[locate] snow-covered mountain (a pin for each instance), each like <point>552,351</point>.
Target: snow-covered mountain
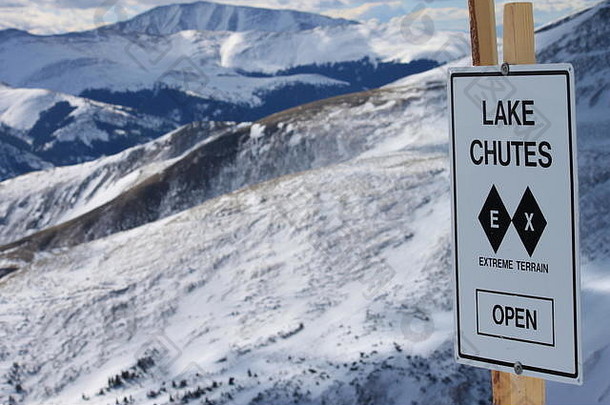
<point>184,63</point>
<point>207,16</point>
<point>233,157</point>
<point>190,69</point>
<point>301,259</point>
<point>45,199</point>
<point>50,128</point>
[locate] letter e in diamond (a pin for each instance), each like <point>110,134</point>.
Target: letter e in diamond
<point>494,219</point>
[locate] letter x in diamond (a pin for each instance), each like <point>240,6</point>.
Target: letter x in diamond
<point>529,221</point>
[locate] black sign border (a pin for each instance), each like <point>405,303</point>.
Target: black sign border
<point>566,74</point>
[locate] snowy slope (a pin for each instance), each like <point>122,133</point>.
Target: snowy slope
<point>207,16</point>
<point>44,199</point>
<point>252,281</point>
<point>231,296</point>
<point>300,139</point>
<point>583,40</point>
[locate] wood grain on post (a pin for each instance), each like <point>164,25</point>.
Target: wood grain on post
<point>512,389</point>
<point>519,48</point>
<point>519,45</point>
<point>483,32</point>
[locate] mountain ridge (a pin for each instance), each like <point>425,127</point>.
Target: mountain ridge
<point>209,16</point>
<point>169,79</point>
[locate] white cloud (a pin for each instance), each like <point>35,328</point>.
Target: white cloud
<point>377,10</point>
<point>39,20</point>
<point>447,13</point>
<point>54,16</point>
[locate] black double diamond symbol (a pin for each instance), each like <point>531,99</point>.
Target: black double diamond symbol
<point>528,220</point>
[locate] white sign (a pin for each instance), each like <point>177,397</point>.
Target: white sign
<point>515,220</point>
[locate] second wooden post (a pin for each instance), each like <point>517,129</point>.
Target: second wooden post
<point>519,48</point>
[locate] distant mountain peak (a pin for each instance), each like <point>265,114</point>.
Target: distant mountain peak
<point>208,16</point>
<point>12,32</point>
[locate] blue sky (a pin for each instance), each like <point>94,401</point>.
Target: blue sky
<point>55,16</point>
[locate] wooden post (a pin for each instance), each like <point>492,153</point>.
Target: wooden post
<point>512,389</point>
<point>483,32</point>
<point>508,388</point>
<point>519,34</point>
